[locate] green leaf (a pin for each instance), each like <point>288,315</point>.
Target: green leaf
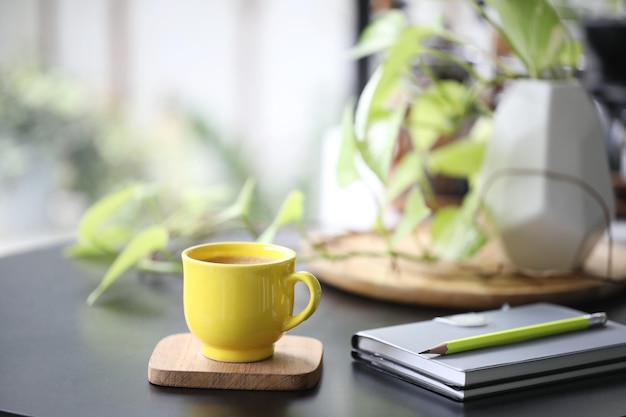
<point>451,97</point>
<point>455,233</point>
<point>114,237</point>
<point>407,173</point>
<point>375,97</point>
<point>378,226</point>
<point>201,198</point>
<point>291,211</point>
<point>415,211</point>
<point>347,172</point>
<point>571,53</point>
<point>195,210</point>
<point>482,130</point>
<point>78,250</point>
<point>365,106</point>
<point>534,31</point>
<point>462,158</point>
<point>398,64</point>
<point>150,240</point>
<point>377,151</point>
<point>380,34</point>
<point>438,111</point>
<point>89,229</point>
<point>241,206</point>
<point>427,121</point>
<point>424,137</point>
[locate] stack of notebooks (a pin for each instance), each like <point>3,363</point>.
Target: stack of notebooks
<point>396,350</point>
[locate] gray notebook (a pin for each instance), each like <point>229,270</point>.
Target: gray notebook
<point>394,346</point>
<point>479,391</point>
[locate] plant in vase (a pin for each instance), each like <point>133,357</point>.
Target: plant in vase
<point>545,180</point>
<point>533,201</point>
<point>401,130</point>
<point>410,126</point>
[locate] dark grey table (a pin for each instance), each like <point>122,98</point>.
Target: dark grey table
<point>59,357</point>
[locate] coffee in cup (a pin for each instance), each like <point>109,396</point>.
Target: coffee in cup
<point>238,298</point>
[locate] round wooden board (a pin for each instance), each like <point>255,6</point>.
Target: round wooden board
<point>485,282</point>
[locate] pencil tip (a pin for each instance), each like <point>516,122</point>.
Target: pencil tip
<point>440,349</point>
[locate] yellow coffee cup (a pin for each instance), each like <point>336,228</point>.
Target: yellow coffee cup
<point>238,297</point>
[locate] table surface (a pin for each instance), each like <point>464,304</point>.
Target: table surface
<point>59,357</point>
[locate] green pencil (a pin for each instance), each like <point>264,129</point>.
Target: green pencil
<point>518,334</point>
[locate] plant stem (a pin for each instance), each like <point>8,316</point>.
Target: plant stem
<point>160,267</point>
<point>502,34</point>
<point>249,227</point>
<point>372,254</point>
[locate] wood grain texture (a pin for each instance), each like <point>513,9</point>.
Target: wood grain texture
<point>177,361</point>
<point>485,282</point>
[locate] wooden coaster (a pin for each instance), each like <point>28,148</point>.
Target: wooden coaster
<point>177,361</point>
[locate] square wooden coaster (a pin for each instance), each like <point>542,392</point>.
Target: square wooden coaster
<point>177,361</point>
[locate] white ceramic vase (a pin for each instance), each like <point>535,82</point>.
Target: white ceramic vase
<point>545,180</point>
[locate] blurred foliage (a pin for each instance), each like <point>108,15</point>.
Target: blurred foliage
<point>412,123</point>
<point>45,116</point>
<point>143,226</point>
<point>406,98</point>
<point>150,192</point>
<point>537,37</point>
<point>95,148</point>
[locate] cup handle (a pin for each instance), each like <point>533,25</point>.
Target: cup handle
<point>315,295</point>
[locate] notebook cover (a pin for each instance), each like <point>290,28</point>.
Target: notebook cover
<point>460,394</point>
<point>402,343</point>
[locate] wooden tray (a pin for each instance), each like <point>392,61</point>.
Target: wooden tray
<point>177,361</point>
<point>485,282</point>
